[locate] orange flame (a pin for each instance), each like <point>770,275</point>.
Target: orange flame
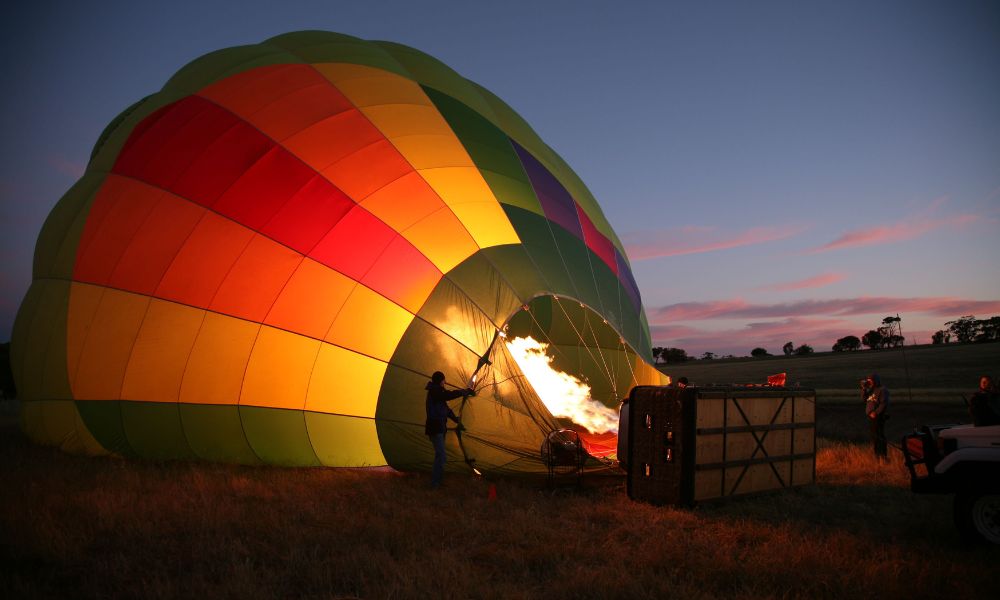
<point>564,395</point>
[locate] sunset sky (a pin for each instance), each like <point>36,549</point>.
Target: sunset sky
<point>778,171</point>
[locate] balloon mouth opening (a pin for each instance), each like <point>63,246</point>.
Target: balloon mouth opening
<point>568,354</point>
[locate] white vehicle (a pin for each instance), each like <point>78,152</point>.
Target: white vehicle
<point>963,460</point>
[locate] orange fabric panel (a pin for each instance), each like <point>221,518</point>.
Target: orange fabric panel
<point>442,238</point>
<point>256,279</point>
<point>369,86</point>
<point>122,205</point>
<point>298,110</point>
<point>367,170</point>
<point>161,351</point>
<point>310,300</point>
<point>433,151</point>
<point>403,202</point>
<point>108,345</point>
<point>155,243</point>
<point>338,371</point>
<point>204,260</point>
<point>369,324</point>
<point>253,90</point>
<point>214,372</point>
<point>403,275</point>
<point>279,369</point>
<point>324,143</point>
<point>395,120</point>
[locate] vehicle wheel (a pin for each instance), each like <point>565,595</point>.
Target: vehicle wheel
<point>977,516</point>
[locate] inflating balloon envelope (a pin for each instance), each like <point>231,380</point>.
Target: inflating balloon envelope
<point>265,261</point>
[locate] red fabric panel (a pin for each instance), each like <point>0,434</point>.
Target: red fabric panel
<point>600,245</point>
<point>354,244</point>
<point>167,149</point>
<point>204,260</point>
<point>124,205</point>
<point>222,163</point>
<point>309,215</point>
<point>255,280</point>
<point>156,243</point>
<point>403,275</point>
<point>266,187</point>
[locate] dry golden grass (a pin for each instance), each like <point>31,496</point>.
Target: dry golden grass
<point>80,527</point>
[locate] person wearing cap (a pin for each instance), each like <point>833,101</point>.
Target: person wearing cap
<point>876,399</point>
<point>438,413</point>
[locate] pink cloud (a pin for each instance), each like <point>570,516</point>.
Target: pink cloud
<point>693,239</point>
<point>914,226</point>
<point>864,305</point>
<point>804,284</point>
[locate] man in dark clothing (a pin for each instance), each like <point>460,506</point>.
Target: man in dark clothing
<point>876,399</point>
<point>438,413</point>
<point>984,406</point>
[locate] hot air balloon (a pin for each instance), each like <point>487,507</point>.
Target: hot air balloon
<point>265,261</point>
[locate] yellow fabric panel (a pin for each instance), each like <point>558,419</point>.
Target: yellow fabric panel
<point>369,324</point>
<point>344,441</point>
<point>40,357</point>
<point>279,369</point>
<point>443,239</point>
<point>108,344</point>
<point>398,120</point>
<point>161,352</point>
<point>214,373</point>
<point>310,300</point>
<point>487,223</point>
<point>403,202</point>
<point>430,151</point>
<point>83,302</point>
<point>472,201</point>
<point>345,382</point>
<point>367,86</point>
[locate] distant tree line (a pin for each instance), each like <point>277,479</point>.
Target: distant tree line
<point>888,335</point>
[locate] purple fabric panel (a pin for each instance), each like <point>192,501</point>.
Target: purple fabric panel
<point>628,281</point>
<point>557,203</point>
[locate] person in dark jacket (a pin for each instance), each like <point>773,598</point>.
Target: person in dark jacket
<point>876,399</point>
<point>984,406</point>
<point>438,413</point>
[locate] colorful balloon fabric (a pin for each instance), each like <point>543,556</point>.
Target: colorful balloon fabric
<point>265,261</point>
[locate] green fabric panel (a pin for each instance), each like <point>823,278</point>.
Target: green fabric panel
<point>429,71</point>
<point>46,329</point>
<point>645,348</point>
<point>103,419</point>
<point>62,228</point>
<point>517,269</point>
<point>485,286</point>
<point>215,432</point>
<point>425,349</point>
<point>536,239</point>
<point>512,191</point>
<point>490,149</point>
<point>340,440</point>
<point>454,313</point>
<point>220,64</point>
<point>278,436</point>
<point>154,430</point>
<point>400,416</point>
<point>326,46</point>
<point>21,336</point>
<point>576,256</point>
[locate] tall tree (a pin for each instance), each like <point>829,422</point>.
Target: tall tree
<point>963,328</point>
<point>759,352</point>
<point>788,348</point>
<point>849,343</point>
<point>872,339</point>
<point>657,352</point>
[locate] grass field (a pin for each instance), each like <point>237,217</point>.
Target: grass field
<point>103,527</point>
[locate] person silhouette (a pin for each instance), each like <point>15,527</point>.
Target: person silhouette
<point>436,425</point>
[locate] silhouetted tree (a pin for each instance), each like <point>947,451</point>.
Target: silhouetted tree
<point>759,352</point>
<point>963,328</point>
<point>988,330</point>
<point>940,337</point>
<point>674,355</point>
<point>847,343</point>
<point>657,351</point>
<point>788,348</point>
<point>872,339</point>
<point>708,356</point>
<point>803,350</point>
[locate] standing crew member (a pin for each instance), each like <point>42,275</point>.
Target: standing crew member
<point>438,413</point>
<point>876,399</point>
<point>984,406</point>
